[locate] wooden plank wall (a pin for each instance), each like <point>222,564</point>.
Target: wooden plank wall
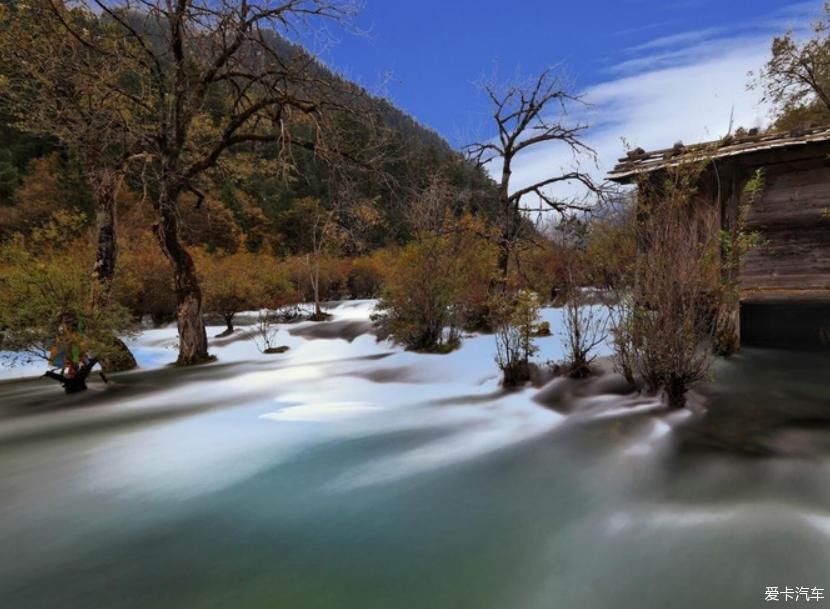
<point>793,219</point>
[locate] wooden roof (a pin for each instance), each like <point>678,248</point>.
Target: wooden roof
<point>638,161</point>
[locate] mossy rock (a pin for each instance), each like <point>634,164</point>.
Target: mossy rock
<point>543,329</point>
<point>119,359</point>
<point>274,350</point>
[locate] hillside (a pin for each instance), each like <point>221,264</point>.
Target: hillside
<point>251,202</point>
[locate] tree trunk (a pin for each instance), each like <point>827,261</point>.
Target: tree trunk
<point>314,277</point>
<point>318,312</point>
<point>192,336</point>
<point>104,187</point>
<point>504,258</point>
<point>105,184</point>
<point>506,242</point>
<point>675,393</point>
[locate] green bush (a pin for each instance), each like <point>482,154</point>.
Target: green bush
<point>47,292</point>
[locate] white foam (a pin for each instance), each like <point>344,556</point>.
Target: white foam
<point>328,388</point>
<point>506,422</point>
<point>325,411</point>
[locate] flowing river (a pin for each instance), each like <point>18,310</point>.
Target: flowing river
<point>347,474</point>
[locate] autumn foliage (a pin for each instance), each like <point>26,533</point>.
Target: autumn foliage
<point>437,285</point>
<point>43,281</point>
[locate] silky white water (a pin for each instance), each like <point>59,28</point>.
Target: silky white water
<point>348,473</point>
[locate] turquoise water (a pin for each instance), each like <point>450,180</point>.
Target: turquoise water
<point>155,495</point>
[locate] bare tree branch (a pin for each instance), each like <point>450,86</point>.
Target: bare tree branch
<point>531,115</point>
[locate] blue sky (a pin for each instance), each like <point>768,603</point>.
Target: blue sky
<point>655,71</point>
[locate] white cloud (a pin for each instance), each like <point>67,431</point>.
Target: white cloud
<point>686,89</point>
<point>679,55</point>
<point>676,39</point>
<point>690,102</point>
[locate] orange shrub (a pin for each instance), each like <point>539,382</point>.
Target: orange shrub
<point>240,282</point>
<point>143,278</point>
<point>437,284</point>
<point>365,276</point>
<point>541,268</point>
<point>334,277</point>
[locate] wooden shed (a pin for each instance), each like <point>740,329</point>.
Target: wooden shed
<point>785,280</point>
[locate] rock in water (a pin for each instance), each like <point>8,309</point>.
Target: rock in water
<point>280,349</point>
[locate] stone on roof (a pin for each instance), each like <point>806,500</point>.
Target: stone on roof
<point>638,161</point>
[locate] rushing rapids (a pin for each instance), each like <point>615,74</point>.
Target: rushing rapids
<point>348,473</point>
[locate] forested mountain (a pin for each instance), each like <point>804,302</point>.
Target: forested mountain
<point>248,200</point>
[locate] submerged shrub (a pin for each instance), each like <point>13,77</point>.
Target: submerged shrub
<point>416,306</point>
<point>436,285</point>
<point>663,330</point>
<point>515,323</point>
<point>585,329</point>
<point>241,281</point>
<point>265,330</point>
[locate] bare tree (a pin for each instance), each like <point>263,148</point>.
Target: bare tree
<point>345,216</point>
<point>527,116</point>
<point>324,233</point>
<point>200,77</point>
